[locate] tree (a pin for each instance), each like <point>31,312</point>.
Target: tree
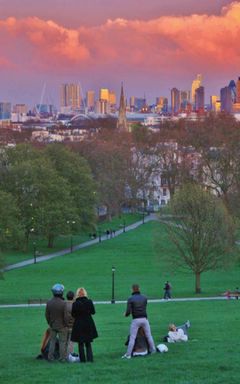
<point>42,196</point>
<point>11,232</point>
<point>76,172</point>
<point>204,233</point>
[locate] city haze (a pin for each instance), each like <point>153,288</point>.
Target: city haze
<point>150,46</point>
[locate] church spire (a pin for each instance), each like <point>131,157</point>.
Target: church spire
<point>122,119</point>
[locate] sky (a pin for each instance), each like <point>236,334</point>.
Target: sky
<point>149,45</point>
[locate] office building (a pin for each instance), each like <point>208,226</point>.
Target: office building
<point>184,99</point>
<point>104,94</point>
<point>175,100</point>
<point>161,104</point>
<point>5,111</point>
<point>199,99</point>
<point>70,97</point>
<point>215,103</point>
<point>238,91</point>
<point>195,84</point>
<point>90,100</point>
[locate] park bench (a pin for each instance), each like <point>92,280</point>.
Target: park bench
<point>230,294</point>
<point>37,301</point>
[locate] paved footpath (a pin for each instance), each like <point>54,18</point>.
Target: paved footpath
<point>163,301</point>
<point>79,246</point>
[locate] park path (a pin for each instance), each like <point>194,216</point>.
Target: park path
<point>163,301</point>
<point>40,259</point>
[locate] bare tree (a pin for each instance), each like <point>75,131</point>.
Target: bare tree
<point>204,231</point>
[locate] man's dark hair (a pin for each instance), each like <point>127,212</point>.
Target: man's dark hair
<point>135,288</point>
<point>70,295</point>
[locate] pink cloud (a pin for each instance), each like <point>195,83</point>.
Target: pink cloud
<point>209,43</point>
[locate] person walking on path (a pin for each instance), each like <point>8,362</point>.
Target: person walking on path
<point>167,291</point>
<point>136,306</point>
<point>55,318</point>
<point>84,329</point>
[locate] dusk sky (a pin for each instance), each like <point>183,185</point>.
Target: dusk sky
<point>150,45</point>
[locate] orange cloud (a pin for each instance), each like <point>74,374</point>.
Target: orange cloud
<point>166,43</point>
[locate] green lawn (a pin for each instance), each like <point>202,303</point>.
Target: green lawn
<point>64,241</point>
<point>210,357</point>
<point>134,256</point>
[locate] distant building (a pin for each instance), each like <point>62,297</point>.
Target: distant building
<point>184,100</point>
<point>122,119</point>
<point>20,108</point>
<point>238,91</point>
<point>195,84</point>
<point>215,103</point>
<point>5,111</point>
<point>70,97</point>
<point>199,99</point>
<point>137,104</point>
<point>228,97</point>
<point>162,104</point>
<point>104,94</point>
<point>175,100</point>
<point>90,100</point>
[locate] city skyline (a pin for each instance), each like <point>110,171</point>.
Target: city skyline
<point>151,48</point>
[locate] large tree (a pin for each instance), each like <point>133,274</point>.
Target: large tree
<point>203,233</point>
<point>52,189</point>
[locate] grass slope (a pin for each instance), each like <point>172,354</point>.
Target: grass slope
<point>134,256</point>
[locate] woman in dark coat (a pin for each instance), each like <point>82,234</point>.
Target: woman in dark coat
<point>84,329</point>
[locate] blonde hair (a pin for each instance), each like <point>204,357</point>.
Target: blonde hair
<point>81,292</point>
<point>172,327</point>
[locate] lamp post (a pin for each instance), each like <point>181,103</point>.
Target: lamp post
<point>113,285</point>
<point>71,238</point>
<point>34,253</point>
<point>99,235</point>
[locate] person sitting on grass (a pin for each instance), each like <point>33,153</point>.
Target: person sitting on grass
<point>177,334</point>
<point>141,347</point>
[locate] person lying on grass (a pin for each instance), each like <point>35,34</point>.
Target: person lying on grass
<point>176,334</point>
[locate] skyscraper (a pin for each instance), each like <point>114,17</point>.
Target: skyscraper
<point>104,94</point>
<point>226,99</point>
<point>238,91</point>
<point>195,84</point>
<point>70,97</point>
<point>215,103</point>
<point>122,119</point>
<point>90,100</point>
<point>199,99</point>
<point>175,100</point>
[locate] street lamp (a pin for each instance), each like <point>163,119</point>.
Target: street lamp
<point>71,238</point>
<point>34,253</point>
<point>99,235</point>
<point>113,285</point>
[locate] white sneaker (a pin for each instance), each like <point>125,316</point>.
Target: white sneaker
<point>126,356</point>
<point>188,324</point>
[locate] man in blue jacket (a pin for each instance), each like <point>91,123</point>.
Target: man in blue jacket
<point>136,306</point>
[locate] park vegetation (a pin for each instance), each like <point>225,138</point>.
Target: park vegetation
<point>57,189</point>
